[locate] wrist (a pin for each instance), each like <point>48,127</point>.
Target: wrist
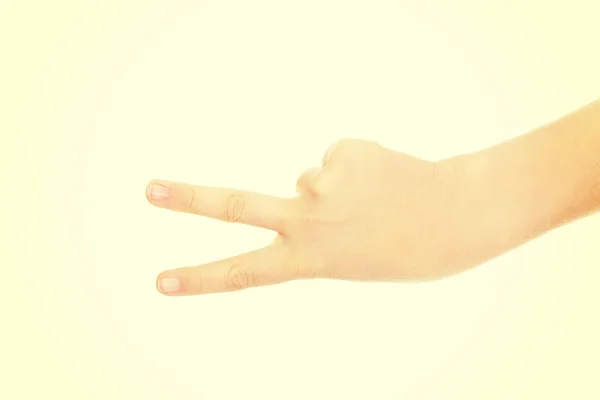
<point>530,185</point>
<point>511,200</point>
<point>527,186</point>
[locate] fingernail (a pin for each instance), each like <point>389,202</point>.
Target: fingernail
<point>158,192</point>
<point>168,285</point>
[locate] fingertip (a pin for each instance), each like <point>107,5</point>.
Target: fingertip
<point>149,189</point>
<point>157,191</point>
<point>168,285</point>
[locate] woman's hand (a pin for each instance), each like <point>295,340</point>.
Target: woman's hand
<point>369,213</point>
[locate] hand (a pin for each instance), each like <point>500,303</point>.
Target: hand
<point>369,213</point>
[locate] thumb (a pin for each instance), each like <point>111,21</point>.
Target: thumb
<point>262,267</point>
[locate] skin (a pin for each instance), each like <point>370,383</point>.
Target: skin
<point>374,214</point>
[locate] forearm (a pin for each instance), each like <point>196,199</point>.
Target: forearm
<point>543,179</point>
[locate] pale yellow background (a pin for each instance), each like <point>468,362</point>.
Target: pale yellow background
<point>99,97</point>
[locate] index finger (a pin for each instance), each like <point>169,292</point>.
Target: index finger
<point>227,205</point>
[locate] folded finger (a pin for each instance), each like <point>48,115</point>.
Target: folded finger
<point>305,182</point>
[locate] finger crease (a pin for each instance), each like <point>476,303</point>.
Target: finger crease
<point>193,199</point>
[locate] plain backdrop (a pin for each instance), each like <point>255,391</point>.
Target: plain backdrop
<point>98,98</point>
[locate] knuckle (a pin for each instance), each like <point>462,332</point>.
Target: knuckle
<point>345,143</point>
<point>348,148</point>
<point>238,278</point>
<point>305,181</point>
<point>235,206</point>
<point>338,147</point>
<point>319,185</point>
<point>299,185</point>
